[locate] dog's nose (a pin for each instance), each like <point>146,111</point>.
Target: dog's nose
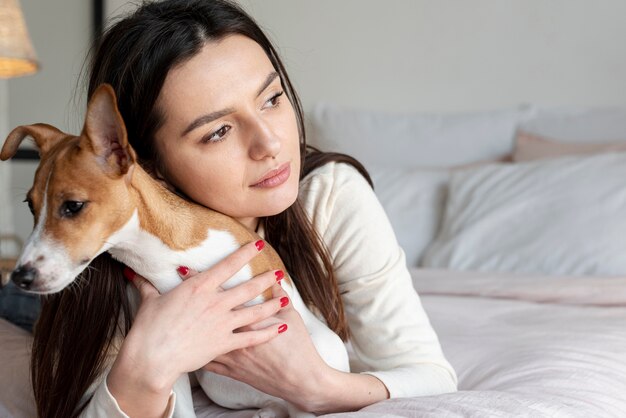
<point>24,276</point>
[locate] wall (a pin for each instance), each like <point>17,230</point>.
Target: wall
<point>396,55</point>
<point>61,33</point>
<point>451,55</point>
<point>6,208</point>
<point>448,55</point>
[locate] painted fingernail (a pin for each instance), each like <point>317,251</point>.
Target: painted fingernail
<point>284,301</point>
<point>279,275</point>
<point>129,273</point>
<point>182,270</point>
<point>259,244</point>
<point>282,328</point>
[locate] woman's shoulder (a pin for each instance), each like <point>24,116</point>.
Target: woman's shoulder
<point>331,174</point>
<point>332,186</point>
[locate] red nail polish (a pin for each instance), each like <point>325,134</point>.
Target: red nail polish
<point>259,244</point>
<point>182,270</point>
<point>279,275</point>
<point>284,301</point>
<point>129,273</point>
<point>282,328</point>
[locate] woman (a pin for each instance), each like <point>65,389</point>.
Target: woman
<point>209,109</point>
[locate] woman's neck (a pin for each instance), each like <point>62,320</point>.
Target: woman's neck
<point>251,223</point>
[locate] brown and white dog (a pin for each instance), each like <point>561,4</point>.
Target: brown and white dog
<point>90,196</point>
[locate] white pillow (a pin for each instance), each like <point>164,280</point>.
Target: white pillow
<point>16,395</point>
<point>564,216</point>
<point>415,139</point>
<point>414,201</point>
<point>585,124</point>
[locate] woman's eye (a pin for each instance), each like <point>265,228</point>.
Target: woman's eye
<point>217,135</point>
<point>274,101</point>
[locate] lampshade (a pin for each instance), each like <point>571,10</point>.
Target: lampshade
<point>17,56</point>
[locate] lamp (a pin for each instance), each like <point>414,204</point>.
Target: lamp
<point>17,56</point>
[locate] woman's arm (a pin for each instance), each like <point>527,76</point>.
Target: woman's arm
<point>138,386</point>
<point>179,332</point>
<point>289,367</point>
<point>395,351</point>
<point>338,391</point>
<point>391,335</point>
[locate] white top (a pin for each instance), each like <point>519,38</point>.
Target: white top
<point>391,336</point>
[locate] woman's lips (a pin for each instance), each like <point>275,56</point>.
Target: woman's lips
<point>275,177</point>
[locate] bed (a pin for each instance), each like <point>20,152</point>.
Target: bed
<point>530,351</point>
<point>513,222</point>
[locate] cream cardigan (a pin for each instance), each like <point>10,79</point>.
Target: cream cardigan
<point>391,336</point>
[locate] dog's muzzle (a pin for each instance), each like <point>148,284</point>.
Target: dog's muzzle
<point>24,276</point>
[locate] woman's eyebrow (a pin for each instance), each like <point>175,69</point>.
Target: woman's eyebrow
<point>271,76</point>
<point>206,119</point>
<point>221,113</point>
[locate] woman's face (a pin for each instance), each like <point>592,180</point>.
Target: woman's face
<point>226,125</point>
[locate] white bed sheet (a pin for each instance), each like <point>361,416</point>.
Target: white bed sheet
<point>523,346</point>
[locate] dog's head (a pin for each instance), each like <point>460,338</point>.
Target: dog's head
<point>80,194</point>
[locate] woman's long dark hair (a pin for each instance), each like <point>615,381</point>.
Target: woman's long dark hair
<point>77,326</point>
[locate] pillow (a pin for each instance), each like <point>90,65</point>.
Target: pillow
<point>564,216</point>
<point>413,199</point>
<point>418,139</point>
<point>595,124</point>
<point>530,147</point>
<point>16,396</point>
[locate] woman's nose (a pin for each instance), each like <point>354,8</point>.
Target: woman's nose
<point>264,142</point>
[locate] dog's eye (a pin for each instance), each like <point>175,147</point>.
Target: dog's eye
<point>71,208</point>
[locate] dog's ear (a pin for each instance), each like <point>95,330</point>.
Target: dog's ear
<point>45,137</point>
<point>105,129</point>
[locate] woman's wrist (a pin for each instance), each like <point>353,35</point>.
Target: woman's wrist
<point>139,388</point>
<point>337,391</point>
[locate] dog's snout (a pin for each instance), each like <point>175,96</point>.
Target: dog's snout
<point>24,276</point>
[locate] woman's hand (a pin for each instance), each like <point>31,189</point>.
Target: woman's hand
<point>289,367</point>
<point>186,328</point>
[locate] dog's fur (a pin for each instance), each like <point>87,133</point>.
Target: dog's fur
<point>124,211</point>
